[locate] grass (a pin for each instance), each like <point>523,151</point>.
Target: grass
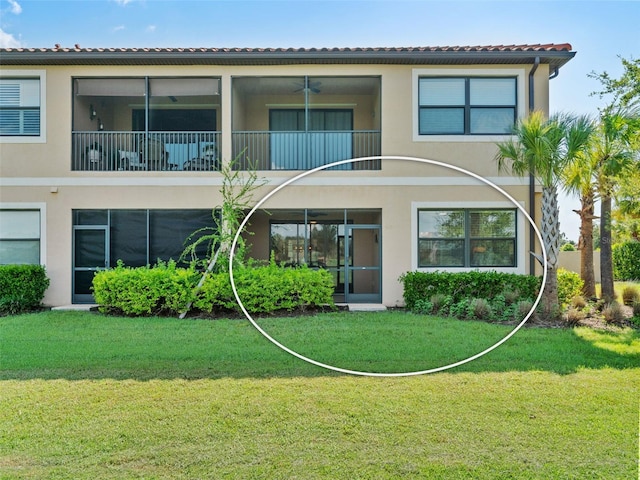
<point>88,396</point>
<point>618,287</point>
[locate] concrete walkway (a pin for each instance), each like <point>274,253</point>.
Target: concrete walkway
<point>366,307</point>
<point>84,307</point>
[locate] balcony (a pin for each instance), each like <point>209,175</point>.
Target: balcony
<point>303,122</point>
<point>145,124</point>
<point>293,150</point>
<point>139,151</point>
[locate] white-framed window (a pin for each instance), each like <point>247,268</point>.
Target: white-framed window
<point>466,105</point>
<point>21,234</point>
<point>22,106</point>
<point>462,236</point>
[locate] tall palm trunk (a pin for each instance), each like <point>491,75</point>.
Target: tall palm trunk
<point>550,232</point>
<point>606,259</point>
<point>587,272</point>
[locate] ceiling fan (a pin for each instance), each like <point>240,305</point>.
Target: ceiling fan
<point>313,87</point>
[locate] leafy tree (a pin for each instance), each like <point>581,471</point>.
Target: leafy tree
<point>626,212</point>
<point>545,147</point>
<point>624,91</point>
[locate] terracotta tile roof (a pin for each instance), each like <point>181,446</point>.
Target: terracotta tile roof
<point>555,55</point>
<point>548,47</point>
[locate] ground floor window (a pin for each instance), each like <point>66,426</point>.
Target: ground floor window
<point>19,237</point>
<point>137,237</point>
<point>467,238</point>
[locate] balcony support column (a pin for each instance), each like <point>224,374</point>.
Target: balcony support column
<point>225,119</point>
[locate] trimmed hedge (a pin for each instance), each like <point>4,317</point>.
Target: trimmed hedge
<point>161,289</point>
<point>166,289</point>
<point>22,287</point>
<point>267,289</point>
<point>466,285</point>
<point>626,261</point>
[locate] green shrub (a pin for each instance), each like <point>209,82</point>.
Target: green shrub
<point>626,261</point>
<point>423,307</point>
<point>161,289</point>
<point>466,285</point>
<point>568,247</point>
<point>165,289</point>
<point>569,286</point>
<point>22,287</point>
<point>267,289</point>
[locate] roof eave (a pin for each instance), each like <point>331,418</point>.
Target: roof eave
<point>188,56</point>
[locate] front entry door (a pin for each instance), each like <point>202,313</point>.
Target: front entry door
<point>363,264</point>
<point>90,254</point>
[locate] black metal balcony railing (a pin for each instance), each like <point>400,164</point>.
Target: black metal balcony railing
<point>155,151</point>
<point>305,150</point>
<point>158,151</point>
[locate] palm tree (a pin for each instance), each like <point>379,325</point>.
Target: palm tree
<point>614,150</point>
<point>544,148</point>
<point>579,178</point>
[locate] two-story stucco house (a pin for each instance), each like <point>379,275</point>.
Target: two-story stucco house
<point>111,154</point>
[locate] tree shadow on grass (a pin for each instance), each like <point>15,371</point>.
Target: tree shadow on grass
<point>52,347</point>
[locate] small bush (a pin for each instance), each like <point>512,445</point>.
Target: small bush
<point>511,296</point>
<point>630,295</point>
<point>626,261</point>
<point>460,309</point>
<point>569,285</point>
<point>636,309</point>
<point>22,287</point>
<point>523,307</point>
<point>424,307</point>
<point>479,309</point>
<point>613,313</point>
<point>578,302</point>
<point>441,303</point>
<point>568,247</point>
<point>573,316</point>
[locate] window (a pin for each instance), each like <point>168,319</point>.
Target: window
<point>467,238</point>
<point>19,237</point>
<point>466,105</point>
<point>20,107</point>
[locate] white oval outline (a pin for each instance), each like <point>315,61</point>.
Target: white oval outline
<point>379,374</point>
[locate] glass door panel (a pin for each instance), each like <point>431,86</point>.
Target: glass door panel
<point>364,273</point>
<point>90,254</point>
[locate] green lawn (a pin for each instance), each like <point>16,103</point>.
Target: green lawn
<point>88,396</point>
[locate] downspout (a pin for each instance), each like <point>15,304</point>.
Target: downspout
<point>532,183</point>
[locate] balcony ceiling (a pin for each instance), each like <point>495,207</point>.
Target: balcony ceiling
<point>320,85</point>
<point>556,55</point>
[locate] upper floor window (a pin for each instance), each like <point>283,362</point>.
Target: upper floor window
<point>20,107</point>
<point>466,105</point>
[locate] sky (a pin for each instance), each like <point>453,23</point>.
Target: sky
<point>599,31</point>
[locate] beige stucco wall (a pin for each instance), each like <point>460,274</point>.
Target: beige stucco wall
<point>41,173</point>
<point>571,261</point>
